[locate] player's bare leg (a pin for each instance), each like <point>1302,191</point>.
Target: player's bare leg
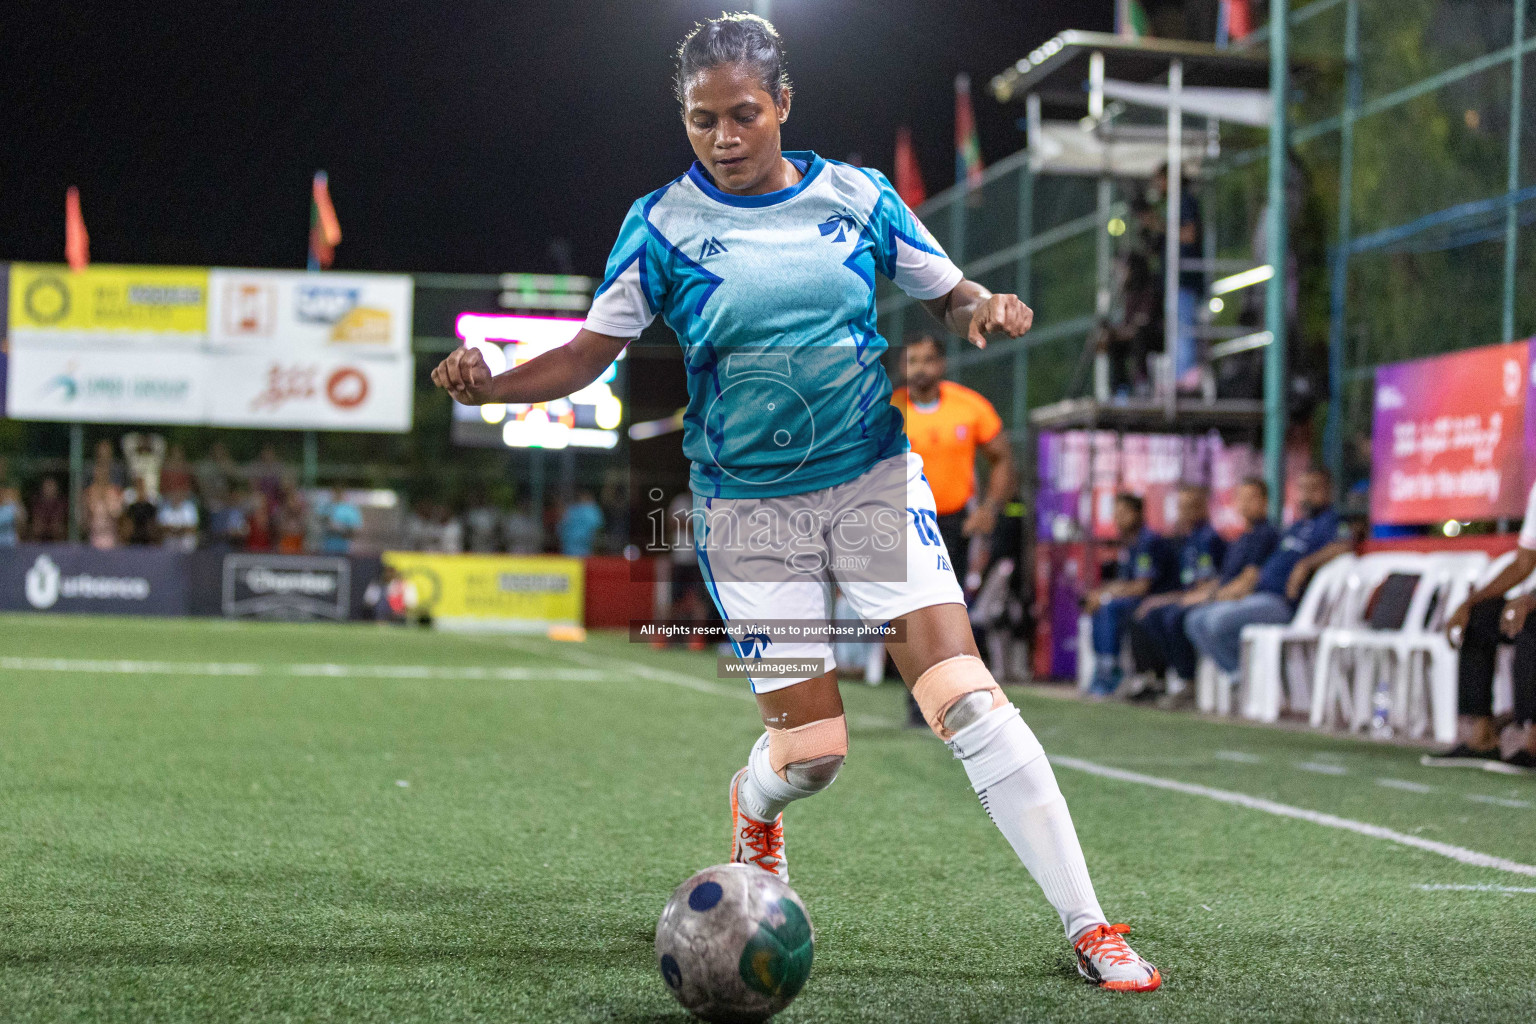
<point>1010,773</point>
<point>798,755</point>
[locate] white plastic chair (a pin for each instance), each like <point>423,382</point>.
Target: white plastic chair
<point>1424,688</point>
<point>1345,638</point>
<point>1264,679</point>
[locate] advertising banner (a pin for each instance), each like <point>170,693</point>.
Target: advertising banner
<point>352,315</point>
<point>508,593</point>
<point>105,304</point>
<point>75,579</point>
<point>99,385</point>
<point>286,587</point>
<point>309,391</point>
<point>1447,437</point>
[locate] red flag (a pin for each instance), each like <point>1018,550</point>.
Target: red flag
<point>968,165</point>
<point>1239,19</point>
<point>909,177</point>
<point>77,242</point>
<point>324,228</point>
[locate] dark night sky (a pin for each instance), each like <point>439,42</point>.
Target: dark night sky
<point>459,136</point>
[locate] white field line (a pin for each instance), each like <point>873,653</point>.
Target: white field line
<point>1477,888</point>
<point>1238,756</point>
<point>1405,785</point>
<point>1319,768</point>
<point>1456,853</point>
<point>300,671</point>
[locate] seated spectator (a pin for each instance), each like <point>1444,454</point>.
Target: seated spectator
<point>340,520</point>
<point>13,518</point>
<point>292,520</point>
<point>258,535</point>
<point>1216,629</point>
<point>482,521</point>
<point>102,506</point>
<point>229,524</point>
<point>579,526</point>
<point>178,518</point>
<point>1481,624</point>
<point>521,530</point>
<point>141,515</point>
<point>1144,567</point>
<point>1159,637</point>
<point>1198,552</point>
<point>176,474</point>
<point>49,515</point>
<point>106,459</point>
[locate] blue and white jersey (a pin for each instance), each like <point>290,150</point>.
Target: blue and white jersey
<point>773,300</point>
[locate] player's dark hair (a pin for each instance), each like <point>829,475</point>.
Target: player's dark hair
<point>1132,502</point>
<point>927,339</point>
<point>1256,481</point>
<point>738,38</point>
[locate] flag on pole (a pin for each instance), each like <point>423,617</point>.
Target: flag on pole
<point>1239,18</point>
<point>324,228</point>
<point>909,178</point>
<point>77,242</point>
<point>968,164</point>
<point>1131,19</point>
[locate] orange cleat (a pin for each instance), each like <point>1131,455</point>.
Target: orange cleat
<point>756,842</point>
<point>1104,959</point>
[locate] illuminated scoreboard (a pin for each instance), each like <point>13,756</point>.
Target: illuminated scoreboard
<point>590,418</point>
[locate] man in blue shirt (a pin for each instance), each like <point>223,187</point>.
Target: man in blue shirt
<point>1145,567</point>
<point>340,520</point>
<point>579,526</point>
<point>1198,551</point>
<point>1158,634</point>
<point>1269,593</point>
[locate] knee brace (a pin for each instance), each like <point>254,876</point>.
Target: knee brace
<point>809,756</point>
<point>955,693</point>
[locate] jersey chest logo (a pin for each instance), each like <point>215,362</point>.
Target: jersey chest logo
<point>712,247</point>
<point>840,223</point>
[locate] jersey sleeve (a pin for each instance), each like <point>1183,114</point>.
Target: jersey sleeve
<point>907,254</point>
<point>988,422</point>
<point>633,285</point>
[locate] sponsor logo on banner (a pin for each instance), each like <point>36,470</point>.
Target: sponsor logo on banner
<point>1447,437</point>
<point>108,302</point>
<point>45,584</point>
<point>287,587</point>
<point>494,592</point>
<point>69,579</point>
<point>123,385</point>
<point>337,308</point>
<point>249,309</point>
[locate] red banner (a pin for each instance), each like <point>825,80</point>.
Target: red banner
<point>1448,437</point>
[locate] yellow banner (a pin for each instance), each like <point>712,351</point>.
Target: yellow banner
<point>106,299</point>
<point>510,592</point>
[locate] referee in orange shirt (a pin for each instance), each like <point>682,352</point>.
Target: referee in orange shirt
<point>947,423</point>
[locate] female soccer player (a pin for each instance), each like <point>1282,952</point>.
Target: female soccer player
<point>763,263</point>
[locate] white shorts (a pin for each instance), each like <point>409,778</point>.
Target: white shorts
<point>775,560</point>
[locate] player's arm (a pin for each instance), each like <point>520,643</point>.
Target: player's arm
<point>555,374</point>
<point>973,312</point>
<point>1513,574</point>
<point>1000,486</point>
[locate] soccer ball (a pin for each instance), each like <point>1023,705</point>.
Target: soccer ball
<point>734,944</point>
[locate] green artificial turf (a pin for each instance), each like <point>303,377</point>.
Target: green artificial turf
<point>315,843</point>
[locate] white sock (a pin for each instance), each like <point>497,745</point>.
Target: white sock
<point>763,795</point>
<point>1010,773</point>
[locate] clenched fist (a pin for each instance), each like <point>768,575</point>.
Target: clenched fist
<point>464,376</point>
<point>1005,314</point>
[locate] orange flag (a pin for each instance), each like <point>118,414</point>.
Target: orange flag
<point>324,228</point>
<point>909,177</point>
<point>77,242</point>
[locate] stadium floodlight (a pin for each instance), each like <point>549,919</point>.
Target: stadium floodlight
<point>1248,278</point>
